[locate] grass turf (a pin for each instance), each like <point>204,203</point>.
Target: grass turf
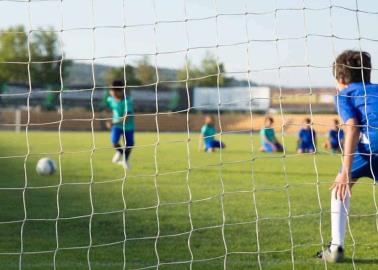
<point>247,191</point>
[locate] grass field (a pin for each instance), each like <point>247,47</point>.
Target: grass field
<point>246,191</point>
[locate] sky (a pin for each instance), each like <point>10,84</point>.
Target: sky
<point>266,37</point>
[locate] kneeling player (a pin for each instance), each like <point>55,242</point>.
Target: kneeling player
<point>306,138</point>
<point>269,142</point>
<point>122,122</point>
<point>335,140</point>
<point>208,132</point>
<point>357,104</point>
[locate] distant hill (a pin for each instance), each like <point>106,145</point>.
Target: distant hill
<point>81,74</point>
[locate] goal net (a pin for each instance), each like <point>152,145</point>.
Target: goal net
<point>196,81</point>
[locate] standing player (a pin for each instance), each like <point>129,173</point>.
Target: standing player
<point>122,122</point>
<point>208,132</point>
<point>306,138</point>
<point>357,104</point>
<point>335,140</point>
<point>269,142</point>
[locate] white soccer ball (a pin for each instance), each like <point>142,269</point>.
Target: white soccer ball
<point>46,166</point>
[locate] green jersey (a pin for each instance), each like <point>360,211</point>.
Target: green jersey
<point>208,132</point>
<point>120,109</point>
<point>269,134</point>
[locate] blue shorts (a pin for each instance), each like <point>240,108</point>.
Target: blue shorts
<point>363,167</point>
<point>268,147</point>
<point>213,144</point>
<point>306,147</point>
<point>117,133</point>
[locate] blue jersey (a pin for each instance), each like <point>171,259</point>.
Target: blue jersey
<point>361,103</point>
<point>120,109</point>
<point>305,136</point>
<point>335,135</point>
<point>208,132</point>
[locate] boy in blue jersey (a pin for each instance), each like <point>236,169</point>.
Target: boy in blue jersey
<point>269,142</point>
<point>335,140</point>
<point>208,132</point>
<point>306,138</point>
<point>122,125</point>
<point>357,104</point>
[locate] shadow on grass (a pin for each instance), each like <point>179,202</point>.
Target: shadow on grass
<point>360,261</point>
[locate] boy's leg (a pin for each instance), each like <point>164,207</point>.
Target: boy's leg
<point>340,209</point>
<point>129,137</point>
<point>217,144</point>
<point>267,148</point>
<point>339,215</point>
<point>115,137</point>
<point>279,147</point>
<point>301,147</point>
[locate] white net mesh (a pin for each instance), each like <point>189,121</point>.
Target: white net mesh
<point>176,207</point>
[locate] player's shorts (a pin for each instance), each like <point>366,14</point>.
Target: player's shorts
<point>116,133</point>
<point>213,144</point>
<point>306,147</point>
<point>365,165</point>
<point>268,147</point>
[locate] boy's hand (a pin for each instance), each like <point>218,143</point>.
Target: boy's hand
<point>342,186</point>
<point>108,124</point>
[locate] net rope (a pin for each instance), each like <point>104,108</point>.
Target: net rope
<point>190,165</point>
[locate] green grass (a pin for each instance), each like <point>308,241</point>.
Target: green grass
<point>256,188</point>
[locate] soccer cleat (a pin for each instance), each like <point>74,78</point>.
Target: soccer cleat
<point>117,157</point>
<point>124,164</point>
<point>331,256</point>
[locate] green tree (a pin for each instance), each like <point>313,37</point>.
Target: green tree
<point>39,52</point>
<point>14,55</point>
<point>145,72</point>
<point>118,73</point>
<point>189,72</point>
<point>48,55</point>
<point>206,74</point>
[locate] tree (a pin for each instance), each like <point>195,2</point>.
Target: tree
<point>117,73</point>
<point>206,75</point>
<point>48,54</point>
<point>145,72</point>
<point>39,52</point>
<point>14,54</point>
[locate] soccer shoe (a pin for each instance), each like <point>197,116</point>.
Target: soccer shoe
<point>331,256</point>
<point>117,157</point>
<point>124,164</point>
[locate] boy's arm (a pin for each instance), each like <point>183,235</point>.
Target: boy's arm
<point>200,142</point>
<point>299,140</point>
<point>342,182</point>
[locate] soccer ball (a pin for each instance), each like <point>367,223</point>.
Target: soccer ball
<point>46,166</point>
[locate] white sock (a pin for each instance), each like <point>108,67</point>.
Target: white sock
<point>339,212</point>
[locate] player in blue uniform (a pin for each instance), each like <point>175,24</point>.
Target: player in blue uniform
<point>357,104</point>
<point>122,125</point>
<point>335,140</point>
<point>269,142</point>
<point>306,138</point>
<point>208,133</point>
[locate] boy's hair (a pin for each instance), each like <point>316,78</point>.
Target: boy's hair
<point>336,121</point>
<point>352,66</point>
<point>271,120</point>
<point>117,85</point>
<point>307,121</point>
